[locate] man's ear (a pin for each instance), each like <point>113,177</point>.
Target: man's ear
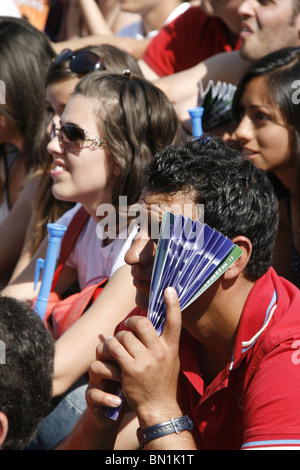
<point>239,265</point>
<point>3,427</point>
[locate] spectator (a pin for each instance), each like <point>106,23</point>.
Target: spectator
<point>23,136</point>
<point>126,120</point>
<point>268,131</point>
<point>259,21</point>
<point>26,373</point>
<point>60,84</point>
<point>237,340</point>
<point>193,37</point>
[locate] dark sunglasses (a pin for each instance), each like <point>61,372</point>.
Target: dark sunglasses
<point>72,137</point>
<point>81,62</point>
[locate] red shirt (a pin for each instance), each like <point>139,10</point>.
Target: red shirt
<point>255,400</point>
<point>188,40</point>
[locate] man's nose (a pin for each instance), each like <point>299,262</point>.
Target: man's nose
<point>142,251</point>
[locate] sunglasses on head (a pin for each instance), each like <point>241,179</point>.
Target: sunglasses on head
<point>72,138</point>
<point>81,62</point>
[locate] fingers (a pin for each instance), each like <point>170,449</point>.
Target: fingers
<point>102,389</point>
<point>136,358</point>
<point>104,370</point>
<point>123,348</point>
<point>145,331</point>
<point>96,397</point>
<point>173,324</point>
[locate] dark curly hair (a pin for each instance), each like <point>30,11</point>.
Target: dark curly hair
<point>238,198</point>
<point>26,374</point>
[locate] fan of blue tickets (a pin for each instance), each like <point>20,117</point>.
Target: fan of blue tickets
<point>190,257</point>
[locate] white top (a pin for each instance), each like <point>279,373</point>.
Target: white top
<point>9,8</point>
<point>92,260</point>
<point>136,30</point>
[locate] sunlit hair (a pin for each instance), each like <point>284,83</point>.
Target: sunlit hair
<point>136,120</point>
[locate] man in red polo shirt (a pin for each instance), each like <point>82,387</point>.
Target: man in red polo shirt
<point>199,33</point>
<point>259,20</point>
<point>229,363</point>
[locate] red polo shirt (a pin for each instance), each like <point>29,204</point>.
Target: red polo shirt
<point>187,41</point>
<point>255,401</point>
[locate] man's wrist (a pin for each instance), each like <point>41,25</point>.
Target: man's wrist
<point>174,425</point>
<point>151,415</point>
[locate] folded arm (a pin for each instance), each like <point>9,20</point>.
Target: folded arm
<point>148,368</point>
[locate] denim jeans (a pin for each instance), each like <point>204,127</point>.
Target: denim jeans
<point>64,413</point>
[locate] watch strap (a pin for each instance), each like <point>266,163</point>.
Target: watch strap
<point>175,425</point>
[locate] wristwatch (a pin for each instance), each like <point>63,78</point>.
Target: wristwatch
<point>175,425</point>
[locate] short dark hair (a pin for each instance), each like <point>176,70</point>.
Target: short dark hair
<point>26,375</point>
<point>238,198</point>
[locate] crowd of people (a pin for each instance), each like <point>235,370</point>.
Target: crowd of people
<point>96,111</point>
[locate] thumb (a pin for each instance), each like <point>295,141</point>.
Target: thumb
<point>173,323</point>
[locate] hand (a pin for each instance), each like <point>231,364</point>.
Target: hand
<point>149,364</point>
<point>101,389</point>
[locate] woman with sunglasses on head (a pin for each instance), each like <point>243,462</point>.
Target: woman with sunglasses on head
<point>25,55</point>
<point>110,128</point>
<point>64,73</point>
<point>268,114</point>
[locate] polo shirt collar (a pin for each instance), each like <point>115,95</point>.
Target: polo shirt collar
<point>257,313</point>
